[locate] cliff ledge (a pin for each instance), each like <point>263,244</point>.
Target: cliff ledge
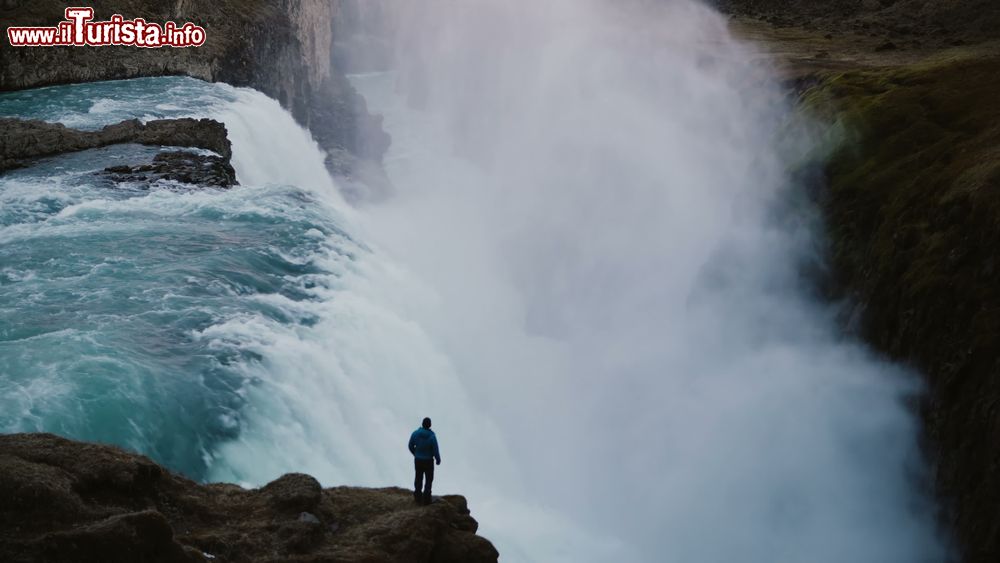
<point>64,501</point>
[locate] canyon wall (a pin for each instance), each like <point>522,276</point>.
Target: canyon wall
<point>906,90</point>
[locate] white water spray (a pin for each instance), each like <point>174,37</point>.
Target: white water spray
<point>583,282</point>
<point>591,188</point>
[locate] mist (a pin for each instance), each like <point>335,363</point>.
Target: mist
<point>596,200</point>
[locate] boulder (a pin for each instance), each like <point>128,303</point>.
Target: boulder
<point>294,492</point>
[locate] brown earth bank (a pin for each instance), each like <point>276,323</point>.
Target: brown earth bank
<point>284,48</point>
<point>910,167</point>
<point>931,23</point>
<point>913,212</point>
<point>67,501</point>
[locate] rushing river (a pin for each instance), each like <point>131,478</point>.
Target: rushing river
<point>588,275</point>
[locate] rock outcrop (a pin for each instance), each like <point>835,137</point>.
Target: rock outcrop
<point>66,501</point>
<point>24,140</point>
<point>283,48</point>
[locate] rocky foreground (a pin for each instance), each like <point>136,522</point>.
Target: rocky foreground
<point>62,500</point>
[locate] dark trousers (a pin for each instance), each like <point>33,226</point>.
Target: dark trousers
<point>425,476</point>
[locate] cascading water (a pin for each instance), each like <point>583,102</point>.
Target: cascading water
<point>601,190</point>
<point>585,277</point>
<point>107,288</point>
<point>232,334</point>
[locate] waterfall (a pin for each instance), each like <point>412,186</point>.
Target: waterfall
<point>589,276</point>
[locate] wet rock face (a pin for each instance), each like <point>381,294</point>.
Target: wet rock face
<point>22,140</point>
<point>66,501</point>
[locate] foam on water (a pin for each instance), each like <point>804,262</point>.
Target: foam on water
<point>582,280</point>
<point>234,335</point>
<point>599,194</point>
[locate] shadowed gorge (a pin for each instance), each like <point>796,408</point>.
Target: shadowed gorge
<point>908,169</point>
<point>915,229</point>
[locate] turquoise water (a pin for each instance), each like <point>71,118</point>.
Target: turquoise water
<point>104,288</point>
<point>94,105</point>
<point>232,335</point>
<point>603,320</point>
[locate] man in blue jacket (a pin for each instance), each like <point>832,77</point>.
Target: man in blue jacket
<point>424,447</point>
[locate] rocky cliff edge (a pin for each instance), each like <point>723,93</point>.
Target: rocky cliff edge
<point>67,501</point>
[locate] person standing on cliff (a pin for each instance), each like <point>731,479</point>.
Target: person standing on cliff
<point>424,447</point>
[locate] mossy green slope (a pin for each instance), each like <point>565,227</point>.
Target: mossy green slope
<point>913,211</point>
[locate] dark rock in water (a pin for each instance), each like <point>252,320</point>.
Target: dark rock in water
<point>67,501</point>
<point>24,140</point>
<point>179,166</point>
<point>186,132</point>
<point>21,141</point>
<point>887,46</point>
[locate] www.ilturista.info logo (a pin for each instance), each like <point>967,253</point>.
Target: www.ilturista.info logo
<point>80,30</point>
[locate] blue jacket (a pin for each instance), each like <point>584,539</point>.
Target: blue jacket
<point>424,444</point>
